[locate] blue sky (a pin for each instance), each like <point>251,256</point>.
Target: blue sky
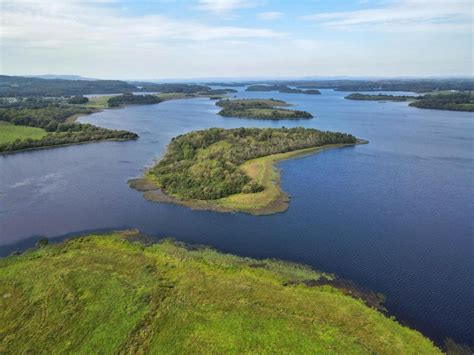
<point>165,39</point>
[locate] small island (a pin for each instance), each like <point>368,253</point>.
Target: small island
<point>451,101</point>
<point>379,97</point>
<point>268,109</point>
<point>232,170</point>
<point>130,99</point>
<point>282,89</point>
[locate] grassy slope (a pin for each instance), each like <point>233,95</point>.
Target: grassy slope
<point>10,132</point>
<point>103,294</point>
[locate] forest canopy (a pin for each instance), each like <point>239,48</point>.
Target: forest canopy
<point>260,109</point>
<point>204,165</point>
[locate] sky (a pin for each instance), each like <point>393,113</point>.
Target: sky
<point>174,39</point>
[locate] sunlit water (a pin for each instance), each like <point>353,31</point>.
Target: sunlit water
<point>394,215</point>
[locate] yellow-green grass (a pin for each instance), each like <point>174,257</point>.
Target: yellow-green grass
<point>102,294</point>
<point>10,133</point>
<point>269,201</point>
<point>98,102</point>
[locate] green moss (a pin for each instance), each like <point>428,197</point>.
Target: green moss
<point>104,294</point>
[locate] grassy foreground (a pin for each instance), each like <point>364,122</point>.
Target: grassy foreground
<point>104,294</point>
<point>9,132</point>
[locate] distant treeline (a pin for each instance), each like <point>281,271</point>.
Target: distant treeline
<point>130,99</point>
<point>282,89</point>
<point>379,97</point>
<point>456,101</point>
<point>412,85</point>
<point>204,165</point>
<point>19,86</point>
<point>13,86</point>
<point>447,101</point>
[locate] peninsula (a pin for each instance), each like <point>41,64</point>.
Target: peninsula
<point>267,109</point>
<point>231,170</point>
<point>124,293</point>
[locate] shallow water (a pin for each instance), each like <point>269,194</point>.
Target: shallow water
<point>394,215</point>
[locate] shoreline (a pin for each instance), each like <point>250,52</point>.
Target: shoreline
<point>270,201</point>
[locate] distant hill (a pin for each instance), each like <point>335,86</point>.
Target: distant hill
<point>58,76</point>
<point>27,86</point>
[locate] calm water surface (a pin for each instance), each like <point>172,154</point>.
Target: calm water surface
<point>394,215</point>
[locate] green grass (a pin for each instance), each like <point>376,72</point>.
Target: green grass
<point>104,294</point>
<point>98,102</point>
<point>10,133</point>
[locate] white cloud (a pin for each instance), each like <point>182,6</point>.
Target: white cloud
<point>404,16</point>
<point>269,16</point>
<point>224,6</point>
<point>67,24</point>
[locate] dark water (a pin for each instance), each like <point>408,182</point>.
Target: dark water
<point>394,215</point>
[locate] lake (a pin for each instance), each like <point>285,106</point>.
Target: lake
<point>395,215</point>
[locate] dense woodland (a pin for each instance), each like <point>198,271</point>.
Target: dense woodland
<point>260,109</point>
<point>18,86</point>
<point>52,118</point>
<point>379,97</point>
<point>78,100</point>
<point>204,165</point>
<point>447,101</point>
<point>130,99</point>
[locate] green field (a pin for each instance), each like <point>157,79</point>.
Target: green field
<point>104,294</point>
<point>10,133</point>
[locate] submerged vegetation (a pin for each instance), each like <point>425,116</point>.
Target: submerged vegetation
<point>116,293</point>
<point>260,109</point>
<point>215,164</point>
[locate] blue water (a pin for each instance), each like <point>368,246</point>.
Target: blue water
<point>394,215</point>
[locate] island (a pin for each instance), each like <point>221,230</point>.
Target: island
<point>123,292</point>
<point>130,99</point>
<point>452,101</point>
<point>269,109</point>
<point>379,97</point>
<point>232,170</point>
<point>282,89</point>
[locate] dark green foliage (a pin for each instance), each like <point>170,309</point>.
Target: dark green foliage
<point>263,109</point>
<point>11,86</point>
<point>171,87</point>
<point>130,99</point>
<point>447,101</point>
<point>43,117</point>
<point>379,97</point>
<point>52,118</point>
<point>204,165</point>
<point>78,100</point>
